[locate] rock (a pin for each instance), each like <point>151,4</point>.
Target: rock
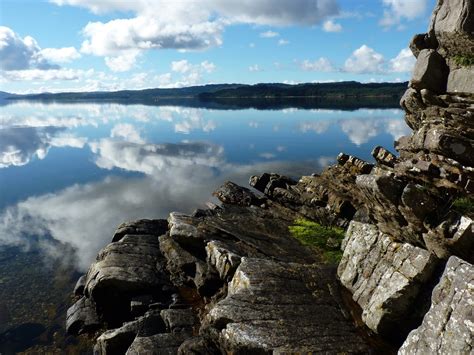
<point>281,307</point>
<point>155,227</point>
<point>80,284</point>
<point>452,237</point>
<point>431,72</point>
<point>460,80</point>
<point>224,258</point>
<point>266,183</point>
<point>116,341</point>
<point>443,141</point>
<point>198,346</point>
<point>234,194</point>
<point>126,269</point>
<point>420,42</point>
<point>448,327</point>
<point>159,344</point>
<point>384,157</point>
<point>178,320</point>
<point>81,317</point>
<point>385,279</point>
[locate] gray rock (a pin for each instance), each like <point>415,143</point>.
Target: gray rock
<point>384,157</point>
<point>461,80</point>
<point>155,227</point>
<point>80,284</point>
<point>431,72</point>
<point>385,278</point>
<point>197,346</point>
<point>453,16</point>
<point>159,344</point>
<point>234,194</point>
<point>82,317</point>
<point>116,341</point>
<point>454,236</point>
<point>177,320</point>
<point>123,270</point>
<point>281,307</point>
<point>448,327</point>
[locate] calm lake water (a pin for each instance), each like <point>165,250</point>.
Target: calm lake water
<point>70,173</point>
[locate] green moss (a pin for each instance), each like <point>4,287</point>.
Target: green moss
<point>464,205</point>
<point>465,61</point>
<point>326,241</point>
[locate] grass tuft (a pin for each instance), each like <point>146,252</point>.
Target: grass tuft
<point>464,205</point>
<point>465,61</point>
<point>323,240</point>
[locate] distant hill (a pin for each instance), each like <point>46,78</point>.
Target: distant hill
<point>344,95</point>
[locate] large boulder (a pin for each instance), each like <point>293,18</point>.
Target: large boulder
<point>385,278</point>
<point>431,72</point>
<point>82,317</point>
<point>460,80</point>
<point>448,327</point>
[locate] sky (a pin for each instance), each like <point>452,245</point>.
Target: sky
<point>106,45</point>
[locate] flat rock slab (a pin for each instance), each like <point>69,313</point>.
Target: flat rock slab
<point>448,327</point>
<point>384,277</point>
<point>282,307</point>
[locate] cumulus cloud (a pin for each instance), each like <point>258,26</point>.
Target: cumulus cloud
<point>364,60</point>
<point>404,62</point>
<point>19,54</point>
<point>123,62</point>
<point>188,25</point>
<point>331,26</point>
<point>60,55</point>
<point>398,10</point>
<point>47,75</point>
<point>320,65</point>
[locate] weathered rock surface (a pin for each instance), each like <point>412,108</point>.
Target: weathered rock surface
<point>448,327</point>
<point>385,278</point>
<point>256,316</point>
<point>82,317</point>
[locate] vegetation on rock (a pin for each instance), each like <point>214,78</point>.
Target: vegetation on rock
<point>464,205</point>
<point>465,61</point>
<point>325,240</point>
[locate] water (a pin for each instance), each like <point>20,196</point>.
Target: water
<point>70,173</point>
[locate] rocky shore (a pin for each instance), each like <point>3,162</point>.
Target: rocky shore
<point>234,279</point>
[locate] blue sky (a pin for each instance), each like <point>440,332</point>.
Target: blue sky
<point>88,45</point>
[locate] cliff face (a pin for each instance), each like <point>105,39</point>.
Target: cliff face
<point>232,279</point>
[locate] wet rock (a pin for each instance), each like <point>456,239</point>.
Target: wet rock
<point>281,307</point>
<point>82,317</point>
<point>385,278</point>
<point>448,327</point>
<point>431,72</point>
<point>159,344</point>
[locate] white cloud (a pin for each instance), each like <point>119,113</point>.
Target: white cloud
<point>283,42</point>
<point>188,25</point>
<point>269,34</point>
<point>18,53</point>
<point>255,68</point>
<point>364,60</point>
<point>331,26</point>
<point>123,62</point>
<point>320,65</point>
<point>398,10</point>
<point>47,75</point>
<point>404,62</point>
<point>60,55</point>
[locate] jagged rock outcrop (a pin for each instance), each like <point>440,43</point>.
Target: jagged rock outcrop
<point>232,278</point>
